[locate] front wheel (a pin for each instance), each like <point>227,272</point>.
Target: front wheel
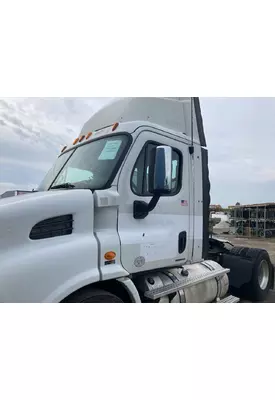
<point>93,296</point>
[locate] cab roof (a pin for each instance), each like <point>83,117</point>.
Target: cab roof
<point>171,113</point>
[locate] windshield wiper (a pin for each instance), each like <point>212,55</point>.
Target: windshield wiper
<point>64,186</point>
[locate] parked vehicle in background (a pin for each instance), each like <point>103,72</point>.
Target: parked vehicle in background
<point>222,225</point>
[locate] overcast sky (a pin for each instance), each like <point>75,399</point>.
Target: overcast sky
<point>240,135</point>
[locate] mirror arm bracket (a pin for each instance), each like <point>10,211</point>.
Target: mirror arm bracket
<point>142,209</point>
<point>153,202</point>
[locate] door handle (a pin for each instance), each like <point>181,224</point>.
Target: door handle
<point>182,241</point>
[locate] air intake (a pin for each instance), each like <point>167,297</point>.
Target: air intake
<point>52,227</point>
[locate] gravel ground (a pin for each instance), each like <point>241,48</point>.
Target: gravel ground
<point>267,244</point>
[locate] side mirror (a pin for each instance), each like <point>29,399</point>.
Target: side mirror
<point>162,171</point>
<point>160,180</point>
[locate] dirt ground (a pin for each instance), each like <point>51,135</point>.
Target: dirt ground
<point>267,244</point>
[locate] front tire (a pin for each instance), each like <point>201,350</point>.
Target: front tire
<point>93,296</point>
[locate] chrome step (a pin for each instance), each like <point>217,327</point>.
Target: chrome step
<point>229,299</point>
<point>156,294</point>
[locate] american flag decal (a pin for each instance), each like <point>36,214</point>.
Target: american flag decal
<point>184,203</point>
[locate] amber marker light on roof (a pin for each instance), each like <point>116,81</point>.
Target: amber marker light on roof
<point>89,135</point>
<point>115,126</point>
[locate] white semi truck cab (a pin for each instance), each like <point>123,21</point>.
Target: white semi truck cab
<point>122,216</point>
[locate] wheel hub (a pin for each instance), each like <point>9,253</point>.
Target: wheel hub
<point>263,277</point>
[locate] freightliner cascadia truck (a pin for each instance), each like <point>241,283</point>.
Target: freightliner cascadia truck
<point>123,216</point>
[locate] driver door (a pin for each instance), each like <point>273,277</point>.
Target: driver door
<point>161,239</point>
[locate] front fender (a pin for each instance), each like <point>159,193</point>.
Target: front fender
<point>50,272</point>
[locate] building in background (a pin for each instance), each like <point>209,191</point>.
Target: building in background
<point>253,220</point>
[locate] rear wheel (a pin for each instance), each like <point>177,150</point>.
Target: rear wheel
<point>261,281</point>
<point>262,274</point>
<point>93,296</point>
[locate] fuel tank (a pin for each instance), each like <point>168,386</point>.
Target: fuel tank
<point>204,282</point>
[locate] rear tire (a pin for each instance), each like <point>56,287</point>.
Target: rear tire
<point>93,296</point>
<point>262,274</point>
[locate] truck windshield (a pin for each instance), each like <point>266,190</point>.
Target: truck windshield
<point>90,166</point>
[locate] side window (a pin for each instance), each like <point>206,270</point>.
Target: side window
<point>140,174</point>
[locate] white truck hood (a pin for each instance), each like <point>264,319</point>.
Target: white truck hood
<point>19,214</point>
<point>47,269</point>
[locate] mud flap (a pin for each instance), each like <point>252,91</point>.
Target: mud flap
<point>241,270</point>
